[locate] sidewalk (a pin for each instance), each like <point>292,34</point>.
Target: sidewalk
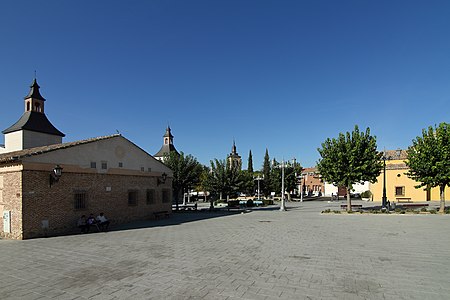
<point>263,254</point>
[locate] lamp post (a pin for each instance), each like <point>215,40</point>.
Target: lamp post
<point>302,187</point>
<point>384,199</point>
<point>282,205</point>
<point>259,178</point>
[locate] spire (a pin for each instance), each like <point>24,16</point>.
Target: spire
<point>34,91</point>
<point>233,149</point>
<point>168,132</point>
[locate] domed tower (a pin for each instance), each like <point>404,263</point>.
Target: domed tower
<point>33,129</point>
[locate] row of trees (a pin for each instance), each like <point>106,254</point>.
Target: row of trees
<point>353,157</point>
<point>348,159</point>
<point>223,181</point>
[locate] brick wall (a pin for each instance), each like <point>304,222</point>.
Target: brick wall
<point>104,193</point>
<point>11,200</point>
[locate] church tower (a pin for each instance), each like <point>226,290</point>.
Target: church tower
<point>234,159</point>
<point>33,129</point>
<point>167,146</point>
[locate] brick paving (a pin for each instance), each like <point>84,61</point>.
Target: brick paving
<point>263,254</point>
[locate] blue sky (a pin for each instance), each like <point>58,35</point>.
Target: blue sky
<point>281,75</point>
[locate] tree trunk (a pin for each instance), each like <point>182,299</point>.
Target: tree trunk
<point>442,206</point>
<point>349,201</point>
<point>177,195</point>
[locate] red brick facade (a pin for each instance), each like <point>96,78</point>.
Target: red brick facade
<point>28,195</point>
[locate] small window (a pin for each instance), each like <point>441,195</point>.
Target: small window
<point>149,169</point>
<point>142,169</point>
<point>132,198</point>
<point>120,165</point>
<point>80,200</point>
<point>165,196</point>
<point>150,197</point>
<point>104,165</point>
<point>93,165</point>
<point>399,191</point>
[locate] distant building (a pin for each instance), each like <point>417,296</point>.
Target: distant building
<point>312,182</point>
<point>399,187</point>
<point>46,185</point>
<point>234,160</point>
<point>167,146</point>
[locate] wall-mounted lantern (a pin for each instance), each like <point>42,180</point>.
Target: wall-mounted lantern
<point>163,178</point>
<point>55,174</point>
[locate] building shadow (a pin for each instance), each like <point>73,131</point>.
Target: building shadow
<point>177,218</point>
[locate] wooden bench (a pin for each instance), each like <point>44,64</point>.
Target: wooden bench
<point>409,205</point>
<point>344,206</point>
<point>403,200</point>
<point>160,214</point>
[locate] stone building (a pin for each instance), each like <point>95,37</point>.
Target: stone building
<point>107,174</point>
<point>234,159</point>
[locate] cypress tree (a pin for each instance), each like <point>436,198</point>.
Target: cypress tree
<point>250,162</point>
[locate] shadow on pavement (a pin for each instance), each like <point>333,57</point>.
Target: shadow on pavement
<point>177,218</point>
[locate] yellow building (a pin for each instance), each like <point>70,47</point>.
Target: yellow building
<point>400,187</point>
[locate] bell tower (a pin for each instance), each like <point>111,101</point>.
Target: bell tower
<point>167,146</point>
<point>33,129</point>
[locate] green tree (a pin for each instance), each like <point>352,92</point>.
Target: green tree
<point>266,174</point>
<point>186,172</point>
<point>247,183</point>
<point>429,159</point>
<point>250,162</point>
<point>223,180</point>
<point>291,171</point>
<point>349,159</point>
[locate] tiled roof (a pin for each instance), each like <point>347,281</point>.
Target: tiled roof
<point>395,154</point>
<point>166,149</point>
<point>34,121</point>
<point>18,155</point>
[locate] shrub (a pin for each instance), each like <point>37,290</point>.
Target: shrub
<point>326,211</point>
<point>233,203</point>
<point>366,194</point>
<point>423,209</point>
<point>250,203</point>
<point>267,202</point>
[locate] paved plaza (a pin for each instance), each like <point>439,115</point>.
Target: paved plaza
<point>262,254</point>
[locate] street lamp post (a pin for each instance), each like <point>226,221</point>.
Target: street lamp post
<point>302,184</point>
<point>259,178</point>
<point>282,205</point>
<point>384,199</point>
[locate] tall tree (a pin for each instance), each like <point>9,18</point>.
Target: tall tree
<point>429,159</point>
<point>223,180</point>
<point>349,159</point>
<point>266,173</point>
<point>186,172</point>
<point>250,162</point>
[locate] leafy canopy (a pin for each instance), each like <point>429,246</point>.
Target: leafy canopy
<point>429,157</point>
<point>186,171</point>
<point>350,158</point>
